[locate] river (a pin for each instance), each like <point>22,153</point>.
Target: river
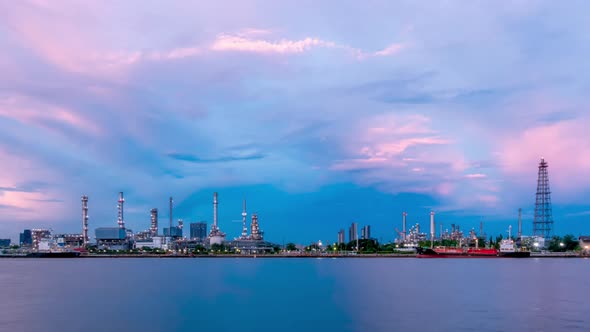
<point>236,294</point>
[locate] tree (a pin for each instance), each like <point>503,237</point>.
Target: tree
<point>291,247</point>
<point>368,246</point>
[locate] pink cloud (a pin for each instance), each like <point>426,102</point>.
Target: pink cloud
<point>564,145</point>
<point>445,189</point>
<point>26,205</point>
<point>28,111</point>
<point>226,42</point>
<point>390,50</point>
<point>475,176</point>
<point>489,200</point>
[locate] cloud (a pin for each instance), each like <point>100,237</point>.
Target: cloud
<point>475,176</point>
<point>194,159</point>
<point>564,145</point>
<point>390,50</point>
<point>45,116</point>
<point>242,42</point>
<point>227,42</point>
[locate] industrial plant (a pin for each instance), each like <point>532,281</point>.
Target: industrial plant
<point>411,238</point>
<point>119,238</point>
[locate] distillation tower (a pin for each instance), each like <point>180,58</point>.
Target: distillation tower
<point>543,222</point>
<point>256,232</point>
<point>120,219</point>
<point>85,220</point>
<point>154,222</point>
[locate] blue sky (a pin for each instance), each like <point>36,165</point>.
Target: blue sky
<point>320,114</point>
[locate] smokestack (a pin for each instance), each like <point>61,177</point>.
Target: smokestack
<point>481,229</point>
<point>154,219</point>
<point>404,215</point>
<point>120,219</point>
<point>85,220</point>
<point>519,223</point>
<point>171,206</point>
<point>244,222</point>
<point>215,210</point>
<point>441,230</point>
<point>432,230</point>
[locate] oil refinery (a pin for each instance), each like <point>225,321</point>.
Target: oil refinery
<point>453,241</point>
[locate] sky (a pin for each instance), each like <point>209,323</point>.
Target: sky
<point>320,114</point>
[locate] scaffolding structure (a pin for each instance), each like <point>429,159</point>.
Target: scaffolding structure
<point>543,222</point>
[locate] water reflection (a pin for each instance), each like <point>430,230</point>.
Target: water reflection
<point>294,295</point>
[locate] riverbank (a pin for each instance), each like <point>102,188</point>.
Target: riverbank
<point>533,255</point>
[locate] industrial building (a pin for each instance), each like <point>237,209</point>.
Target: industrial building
<point>156,242</point>
<point>69,240</point>
<point>4,243</point>
<point>113,238</point>
<point>174,232</point>
<point>198,231</point>
<point>26,238</point>
<point>38,235</point>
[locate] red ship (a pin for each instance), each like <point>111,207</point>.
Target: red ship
<point>446,252</point>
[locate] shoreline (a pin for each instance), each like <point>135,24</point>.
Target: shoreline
<point>290,256</point>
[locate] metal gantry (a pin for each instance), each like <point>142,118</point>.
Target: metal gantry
<point>543,222</point>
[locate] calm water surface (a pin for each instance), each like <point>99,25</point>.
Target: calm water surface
<point>294,295</point>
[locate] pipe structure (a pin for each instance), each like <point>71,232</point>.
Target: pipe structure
<point>404,215</point>
<point>154,222</point>
<point>244,223</point>
<point>519,222</point>
<point>432,230</point>
<point>85,220</point>
<point>120,219</point>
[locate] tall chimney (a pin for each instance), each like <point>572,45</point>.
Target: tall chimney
<point>85,220</point>
<point>432,230</point>
<point>120,219</point>
<point>481,229</point>
<point>404,215</point>
<point>171,206</point>
<point>519,222</point>
<point>215,210</point>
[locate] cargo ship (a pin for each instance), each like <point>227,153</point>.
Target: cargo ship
<point>509,249</point>
<point>53,254</point>
<point>447,252</point>
<point>439,252</point>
